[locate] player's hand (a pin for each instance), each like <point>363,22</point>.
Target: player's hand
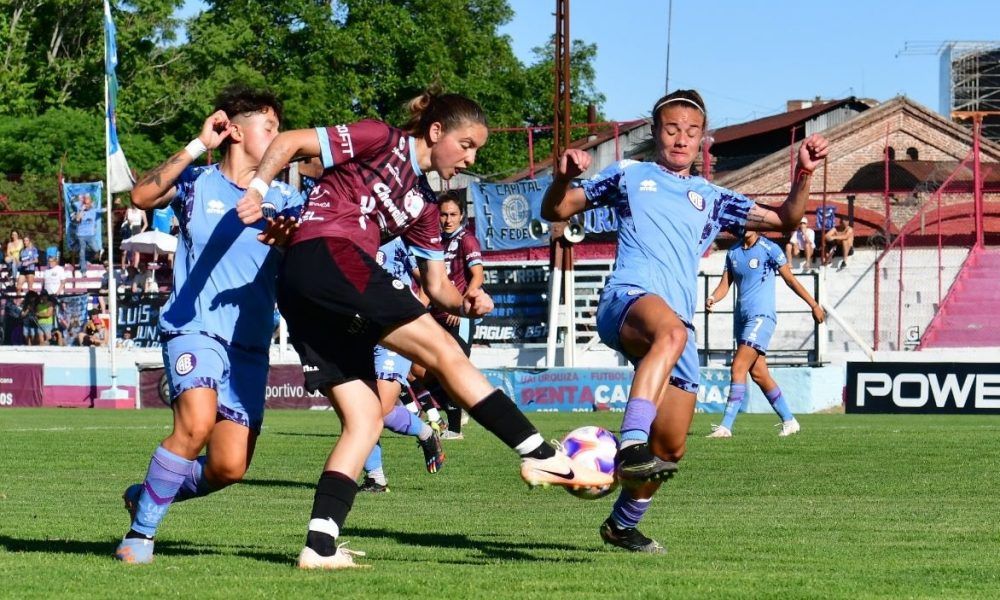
<point>248,208</point>
<point>573,163</point>
<point>477,303</point>
<point>278,231</point>
<point>215,129</point>
<point>812,151</point>
<point>818,313</point>
<point>452,320</point>
<point>709,303</point>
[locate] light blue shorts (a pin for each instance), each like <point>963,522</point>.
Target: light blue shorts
<point>390,366</point>
<point>611,312</point>
<point>238,376</point>
<point>755,332</point>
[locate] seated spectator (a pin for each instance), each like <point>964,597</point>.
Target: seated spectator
<point>126,340</point>
<point>839,240</point>
<point>93,333</point>
<point>54,277</point>
<point>803,241</point>
<point>28,264</point>
<point>12,251</point>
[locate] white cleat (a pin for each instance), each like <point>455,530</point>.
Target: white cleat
<point>563,471</point>
<point>720,431</point>
<point>341,559</point>
<point>788,428</point>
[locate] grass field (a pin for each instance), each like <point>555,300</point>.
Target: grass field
<point>855,506</point>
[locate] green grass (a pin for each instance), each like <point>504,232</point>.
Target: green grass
<point>853,507</point>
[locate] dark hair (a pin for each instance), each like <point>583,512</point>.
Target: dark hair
<point>684,97</point>
<point>452,197</point>
<point>451,110</point>
<point>240,99</point>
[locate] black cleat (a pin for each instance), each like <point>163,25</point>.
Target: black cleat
<point>636,464</point>
<point>433,453</point>
<point>629,538</point>
<point>373,487</point>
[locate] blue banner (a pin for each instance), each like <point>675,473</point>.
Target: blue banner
<point>119,175</point>
<point>73,196</point>
<point>504,212</point>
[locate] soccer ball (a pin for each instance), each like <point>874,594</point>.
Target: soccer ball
<point>596,447</point>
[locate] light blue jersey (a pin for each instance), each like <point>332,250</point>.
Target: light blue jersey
<point>394,257</point>
<point>752,270</point>
<point>666,223</point>
<point>224,278</point>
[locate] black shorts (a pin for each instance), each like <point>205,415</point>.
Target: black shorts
<point>338,302</point>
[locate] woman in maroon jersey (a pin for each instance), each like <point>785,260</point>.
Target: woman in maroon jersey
<point>339,302</point>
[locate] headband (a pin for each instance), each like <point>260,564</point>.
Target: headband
<point>678,99</point>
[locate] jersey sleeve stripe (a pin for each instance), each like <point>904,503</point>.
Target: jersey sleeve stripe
<point>326,154</point>
<point>413,157</point>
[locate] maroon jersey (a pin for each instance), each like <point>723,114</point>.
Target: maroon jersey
<point>372,190</point>
<point>461,251</point>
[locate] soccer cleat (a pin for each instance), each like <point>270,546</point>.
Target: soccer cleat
<point>433,454</point>
<point>636,464</point>
<point>373,487</point>
<point>788,428</point>
<point>438,425</point>
<point>629,538</point>
<point>448,434</point>
<point>341,559</point>
<point>563,471</point>
<point>131,498</point>
<point>135,551</point>
<point>465,417</point>
<point>720,431</point>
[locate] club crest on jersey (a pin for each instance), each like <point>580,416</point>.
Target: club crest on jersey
<point>185,363</point>
<point>754,263</point>
<point>398,284</point>
<point>697,200</point>
<point>453,246</point>
<point>647,185</point>
<point>380,258</point>
<point>215,207</point>
<point>413,202</point>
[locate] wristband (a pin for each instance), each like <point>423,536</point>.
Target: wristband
<point>195,148</point>
<point>258,184</point>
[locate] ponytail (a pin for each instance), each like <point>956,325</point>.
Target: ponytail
<point>451,110</point>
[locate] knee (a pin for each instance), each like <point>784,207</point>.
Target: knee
<point>670,341</point>
<point>227,474</point>
<point>672,452</point>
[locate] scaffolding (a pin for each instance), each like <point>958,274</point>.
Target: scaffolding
<point>971,79</point>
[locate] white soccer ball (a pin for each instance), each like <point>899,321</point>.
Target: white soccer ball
<point>596,447</point>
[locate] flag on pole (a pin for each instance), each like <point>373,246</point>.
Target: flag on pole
<point>119,175</point>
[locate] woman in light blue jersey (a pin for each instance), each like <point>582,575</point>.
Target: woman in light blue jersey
<point>214,328</point>
<point>668,218</point>
<point>752,265</point>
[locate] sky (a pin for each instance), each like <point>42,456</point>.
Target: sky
<point>748,57</point>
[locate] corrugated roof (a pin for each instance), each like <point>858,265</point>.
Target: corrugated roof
<point>775,122</point>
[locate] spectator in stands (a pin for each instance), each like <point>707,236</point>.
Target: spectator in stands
<point>62,325</point>
<point>54,277</point>
<point>86,231</point>
<point>126,340</point>
<point>803,241</point>
<point>840,240</point>
<point>93,333</point>
<point>135,223</point>
<point>12,252</point>
<point>28,264</point>
<point>105,285</point>
<point>163,221</point>
<point>30,318</point>
<point>13,321</point>
<point>45,318</point>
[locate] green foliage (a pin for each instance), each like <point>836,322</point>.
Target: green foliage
<point>853,507</point>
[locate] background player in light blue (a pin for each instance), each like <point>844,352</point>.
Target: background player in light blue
<point>751,265</point>
<point>215,326</point>
<point>391,369</point>
<point>668,217</point>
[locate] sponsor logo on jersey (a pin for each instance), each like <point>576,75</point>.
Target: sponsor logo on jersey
<point>309,368</point>
<point>647,185</point>
<point>384,194</point>
<point>697,200</point>
<point>346,145</point>
<point>398,284</point>
<point>633,292</point>
<point>754,263</point>
<point>215,207</point>
<point>185,363</point>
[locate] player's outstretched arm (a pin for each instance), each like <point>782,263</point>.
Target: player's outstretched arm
<point>560,201</point>
<point>284,147</point>
<point>817,311</point>
<point>720,291</point>
<point>155,188</point>
<point>786,217</point>
<point>443,293</point>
